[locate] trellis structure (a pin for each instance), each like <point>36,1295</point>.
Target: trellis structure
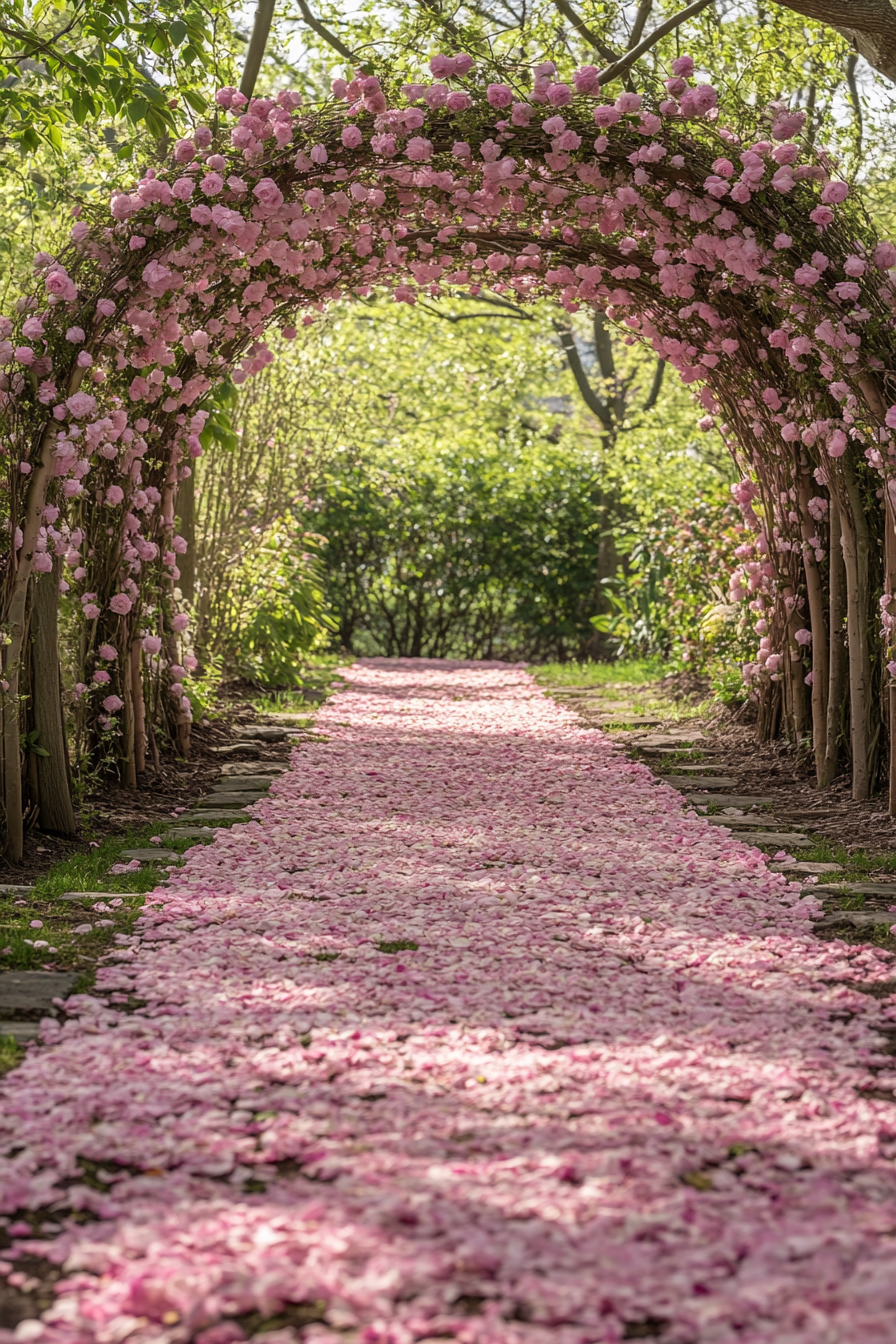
<point>742,259</point>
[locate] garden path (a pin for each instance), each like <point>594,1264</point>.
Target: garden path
<point>471,1033</point>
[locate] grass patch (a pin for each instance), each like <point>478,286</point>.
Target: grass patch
<point>858,864</point>
<point>628,672</point>
<point>12,1052</point>
<point>64,949</point>
<point>399,945</point>
<point>326,956</point>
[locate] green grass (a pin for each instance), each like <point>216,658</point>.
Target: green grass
<point>81,872</point>
<point>399,945</point>
<point>630,672</point>
<point>12,1052</point>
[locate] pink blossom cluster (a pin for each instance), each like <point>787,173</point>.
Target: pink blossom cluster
<point>474,1031</point>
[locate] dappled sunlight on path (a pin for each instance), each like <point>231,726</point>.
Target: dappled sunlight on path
<point>472,1033</point>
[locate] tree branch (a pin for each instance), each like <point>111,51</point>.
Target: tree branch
<point>641,18</point>
<point>619,67</point>
<point>322,31</point>
<point>264,16</point>
<point>851,64</point>
<point>869,27</point>
<point>604,52</point>
<point>655,386</point>
<point>588,394</point>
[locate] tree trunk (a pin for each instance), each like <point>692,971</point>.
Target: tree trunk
<point>186,506</point>
<point>264,16</point>
<point>820,661</point>
<point>57,811</point>
<point>855,542</point>
<point>136,671</point>
<point>890,682</point>
<point>837,657</point>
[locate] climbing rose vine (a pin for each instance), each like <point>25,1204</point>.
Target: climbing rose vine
<point>742,259</point>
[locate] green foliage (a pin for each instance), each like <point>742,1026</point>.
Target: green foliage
<point>670,597</point>
<point>74,62</point>
<point>279,606</point>
<point>467,554</point>
<point>12,1052</point>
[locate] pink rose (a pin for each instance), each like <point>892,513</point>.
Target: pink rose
<point>885,256</point>
<point>120,604</point>
<point>419,149</point>
<point>108,652</point>
<point>585,80</point>
<point>105,307</point>
<point>151,644</point>
<point>180,622</point>
<point>559,95</point>
<point>112,704</point>
<point>183,189</point>
<point>268,194</point>
<point>351,137</point>
<point>24,354</point>
<point>121,206</point>
<point>90,609</point>
<point>835,193</point>
<point>459,101</point>
<point>212,184</point>
<point>81,404</point>
<point>683,67</point>
<point>74,334</point>
<point>499,95</point>
<point>114,495</point>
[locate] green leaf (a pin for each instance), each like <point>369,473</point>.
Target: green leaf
<point>177,31</point>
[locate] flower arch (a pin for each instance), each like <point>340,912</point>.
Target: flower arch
<point>744,261</point>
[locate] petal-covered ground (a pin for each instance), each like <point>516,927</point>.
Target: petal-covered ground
<point>474,1033</point>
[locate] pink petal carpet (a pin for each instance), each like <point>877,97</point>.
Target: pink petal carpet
<point>473,1033</point>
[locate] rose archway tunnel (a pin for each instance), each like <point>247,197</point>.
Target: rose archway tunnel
<point>734,250</point>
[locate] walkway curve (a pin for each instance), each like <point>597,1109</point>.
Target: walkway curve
<point>614,1092</point>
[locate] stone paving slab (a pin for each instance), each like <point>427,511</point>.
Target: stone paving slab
<point>856,889</point>
<point>245,783</point>
<point>758,822</point>
<point>29,990</point>
<point>214,816</point>
<point>730,799</point>
<point>150,855</point>
<point>638,720</point>
<point>859,919</point>
<point>11,889</point>
<point>692,772</point>
<point>670,740</point>
<point>20,1031</point>
<point>259,732</point>
<point>778,838</point>
<point>247,750</point>
<point>190,833</point>
<point>232,798</point>
<point>702,781</point>
<point>805,867</point>
<point>93,895</point>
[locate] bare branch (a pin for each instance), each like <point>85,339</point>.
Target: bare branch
<point>641,18</point>
<point>261,28</point>
<point>619,67</point>
<point>573,359</point>
<point>655,386</point>
<point>604,52</point>
<point>322,31</point>
<point>851,64</point>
